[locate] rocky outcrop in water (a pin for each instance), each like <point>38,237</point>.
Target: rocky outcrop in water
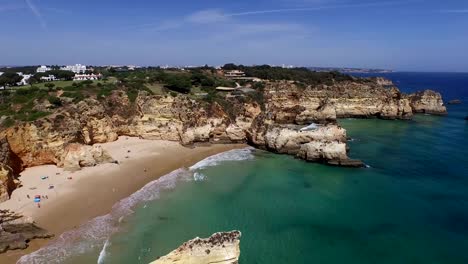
<point>455,102</point>
<point>222,248</point>
<point>16,231</point>
<point>428,102</point>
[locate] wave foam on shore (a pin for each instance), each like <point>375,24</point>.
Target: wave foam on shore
<point>97,232</point>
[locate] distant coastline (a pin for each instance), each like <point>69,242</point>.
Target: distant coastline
<point>349,70</point>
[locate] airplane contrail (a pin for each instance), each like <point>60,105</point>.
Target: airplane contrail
<point>305,9</point>
<point>455,11</point>
<point>36,13</point>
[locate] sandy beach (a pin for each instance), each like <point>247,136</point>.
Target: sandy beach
<point>70,199</point>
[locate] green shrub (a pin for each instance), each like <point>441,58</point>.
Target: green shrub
<point>8,122</point>
<point>55,101</point>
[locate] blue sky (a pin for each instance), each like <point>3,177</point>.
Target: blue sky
<point>416,35</point>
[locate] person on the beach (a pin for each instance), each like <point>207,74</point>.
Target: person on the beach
<point>27,196</point>
<point>39,205</point>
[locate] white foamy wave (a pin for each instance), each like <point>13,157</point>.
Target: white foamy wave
<point>367,166</point>
<point>236,154</point>
<point>103,253</point>
<point>97,232</point>
<point>198,176</point>
<point>94,233</point>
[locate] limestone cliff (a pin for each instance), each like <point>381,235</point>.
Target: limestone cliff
<point>428,102</point>
<point>222,248</point>
<point>10,166</point>
<point>270,120</point>
<point>291,103</point>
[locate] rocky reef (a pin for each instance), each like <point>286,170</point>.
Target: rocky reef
<point>220,248</point>
<point>270,119</point>
<point>16,231</point>
<point>455,102</point>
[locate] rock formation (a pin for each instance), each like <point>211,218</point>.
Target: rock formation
<point>10,166</point>
<point>428,102</point>
<point>222,248</point>
<point>16,231</point>
<point>382,81</point>
<point>455,102</point>
<point>271,120</point>
<point>302,105</point>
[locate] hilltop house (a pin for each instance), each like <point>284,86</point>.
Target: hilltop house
<point>49,78</point>
<point>234,74</point>
<point>43,69</point>
<point>77,68</point>
<point>25,79</point>
<point>85,77</point>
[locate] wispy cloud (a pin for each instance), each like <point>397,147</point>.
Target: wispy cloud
<point>307,9</point>
<point>218,15</point>
<point>459,11</point>
<point>36,13</point>
<point>207,16</point>
<point>5,8</point>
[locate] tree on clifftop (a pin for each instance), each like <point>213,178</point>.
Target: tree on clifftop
<point>10,79</point>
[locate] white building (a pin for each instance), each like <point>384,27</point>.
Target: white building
<point>1,73</point>
<point>77,68</point>
<point>25,79</point>
<point>234,74</point>
<point>43,69</point>
<point>85,77</point>
<point>49,78</point>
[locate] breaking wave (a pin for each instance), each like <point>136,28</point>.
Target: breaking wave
<point>236,154</point>
<point>103,253</point>
<point>96,232</point>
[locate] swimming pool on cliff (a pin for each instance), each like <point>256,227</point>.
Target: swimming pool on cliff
<point>409,206</point>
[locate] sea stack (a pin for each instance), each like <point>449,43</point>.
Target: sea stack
<point>428,102</point>
<point>220,248</point>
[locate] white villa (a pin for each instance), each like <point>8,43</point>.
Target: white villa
<point>25,79</point>
<point>234,74</point>
<point>49,78</point>
<point>43,69</point>
<point>77,68</point>
<point>85,77</point>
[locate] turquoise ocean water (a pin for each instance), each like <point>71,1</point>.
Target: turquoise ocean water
<point>409,206</point>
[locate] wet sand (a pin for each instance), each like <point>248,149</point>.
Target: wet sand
<point>92,192</point>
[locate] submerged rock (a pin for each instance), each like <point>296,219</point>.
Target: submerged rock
<point>17,231</point>
<point>454,102</point>
<point>220,248</point>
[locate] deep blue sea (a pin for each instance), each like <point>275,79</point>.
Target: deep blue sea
<point>409,206</point>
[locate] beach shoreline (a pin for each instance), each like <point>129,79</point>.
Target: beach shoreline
<point>91,192</point>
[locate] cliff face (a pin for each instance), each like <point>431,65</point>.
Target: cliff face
<point>428,102</point>
<point>272,122</point>
<point>220,248</point>
<point>303,105</point>
<point>10,166</point>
